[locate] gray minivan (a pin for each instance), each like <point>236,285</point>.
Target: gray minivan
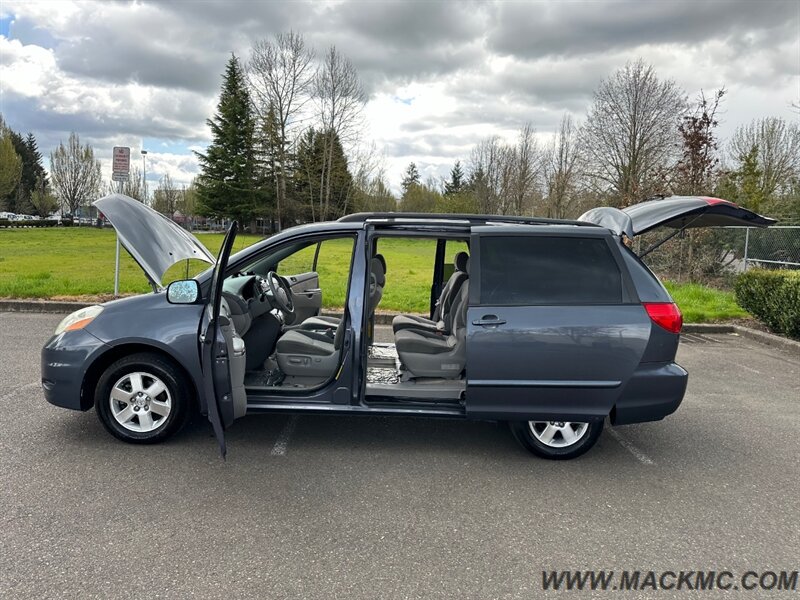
<point>553,326</point>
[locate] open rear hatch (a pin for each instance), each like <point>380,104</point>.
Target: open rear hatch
<point>678,212</point>
<point>675,212</point>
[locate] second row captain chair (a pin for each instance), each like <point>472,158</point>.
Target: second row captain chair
<point>440,321</point>
<point>377,281</point>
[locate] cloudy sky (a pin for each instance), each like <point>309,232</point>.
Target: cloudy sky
<point>440,76</point>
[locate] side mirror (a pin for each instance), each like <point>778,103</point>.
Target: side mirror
<point>186,291</point>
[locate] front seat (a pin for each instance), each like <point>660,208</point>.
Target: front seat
<point>443,305</point>
<point>426,354</point>
<point>377,281</point>
<point>312,349</point>
<point>310,353</point>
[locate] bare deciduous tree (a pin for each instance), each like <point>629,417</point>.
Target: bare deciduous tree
<point>563,170</point>
<point>281,74</point>
<point>133,186</point>
<point>503,177</point>
<point>778,151</point>
<point>74,174</point>
<point>631,131</point>
<point>696,171</point>
<point>340,100</point>
<point>526,163</point>
<point>487,179</point>
<point>10,164</point>
<point>166,197</point>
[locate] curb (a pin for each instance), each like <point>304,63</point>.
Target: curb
<point>41,306</point>
<point>768,339</point>
<point>708,328</point>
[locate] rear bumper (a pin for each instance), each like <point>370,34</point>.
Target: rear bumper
<point>655,391</point>
<point>65,359</point>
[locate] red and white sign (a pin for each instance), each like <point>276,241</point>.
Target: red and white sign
<point>120,163</point>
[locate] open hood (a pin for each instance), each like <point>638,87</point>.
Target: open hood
<point>155,242</point>
<point>678,212</point>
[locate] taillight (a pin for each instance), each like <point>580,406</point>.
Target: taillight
<point>665,314</point>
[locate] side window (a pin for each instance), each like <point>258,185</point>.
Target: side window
<point>333,268</point>
<point>451,248</point>
<point>301,261</point>
<point>545,270</point>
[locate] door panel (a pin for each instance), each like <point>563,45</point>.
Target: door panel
<point>216,343</point>
<point>307,295</point>
<point>552,331</point>
<point>551,362</point>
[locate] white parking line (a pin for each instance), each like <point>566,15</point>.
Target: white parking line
<point>27,386</point>
<point>640,456</point>
<point>282,443</point>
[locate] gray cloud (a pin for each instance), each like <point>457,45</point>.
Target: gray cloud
<point>152,69</point>
<point>569,28</point>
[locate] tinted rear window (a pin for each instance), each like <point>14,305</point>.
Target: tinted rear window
<point>540,270</point>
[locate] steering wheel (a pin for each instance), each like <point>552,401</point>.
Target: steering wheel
<point>281,292</point>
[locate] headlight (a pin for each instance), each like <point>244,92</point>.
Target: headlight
<point>79,319</point>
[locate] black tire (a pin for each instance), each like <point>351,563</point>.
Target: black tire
<point>176,385</point>
<point>523,434</point>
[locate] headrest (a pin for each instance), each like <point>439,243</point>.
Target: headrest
<point>466,267</point>
<point>460,262</point>
<point>383,261</point>
<point>376,269</point>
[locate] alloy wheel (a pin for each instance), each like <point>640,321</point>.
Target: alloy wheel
<point>558,434</point>
<point>140,402</point>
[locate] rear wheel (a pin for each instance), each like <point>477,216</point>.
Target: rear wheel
<point>557,440</point>
<point>142,399</point>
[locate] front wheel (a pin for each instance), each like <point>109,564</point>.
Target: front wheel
<point>142,399</point>
<point>557,440</point>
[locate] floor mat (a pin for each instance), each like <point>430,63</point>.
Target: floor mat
<point>382,375</point>
<point>261,378</point>
<point>386,351</point>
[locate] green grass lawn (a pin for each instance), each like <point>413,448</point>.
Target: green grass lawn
<point>702,304</point>
<point>79,263</point>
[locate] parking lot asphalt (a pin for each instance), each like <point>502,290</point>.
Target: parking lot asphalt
<point>334,507</point>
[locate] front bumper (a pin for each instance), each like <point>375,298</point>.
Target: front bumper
<point>65,360</point>
<point>655,391</point>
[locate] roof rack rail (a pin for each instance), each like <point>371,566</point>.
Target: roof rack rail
<point>364,217</point>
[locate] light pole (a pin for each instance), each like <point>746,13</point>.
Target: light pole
<point>144,177</point>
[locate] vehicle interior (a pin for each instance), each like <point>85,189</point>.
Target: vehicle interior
<point>282,342</point>
<point>426,360</point>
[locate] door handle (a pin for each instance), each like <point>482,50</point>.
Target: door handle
<point>488,321</point>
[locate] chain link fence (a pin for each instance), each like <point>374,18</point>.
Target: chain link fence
<point>717,254</point>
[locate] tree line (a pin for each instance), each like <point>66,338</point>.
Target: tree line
<point>641,137</point>
<point>284,125</point>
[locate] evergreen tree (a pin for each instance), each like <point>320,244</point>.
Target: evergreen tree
<point>410,177</point>
<point>749,179</point>
<point>456,183</point>
<point>226,185</point>
<point>318,152</point>
<point>18,199</point>
<point>267,177</point>
<point>32,167</point>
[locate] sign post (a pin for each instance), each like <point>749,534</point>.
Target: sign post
<point>120,171</point>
